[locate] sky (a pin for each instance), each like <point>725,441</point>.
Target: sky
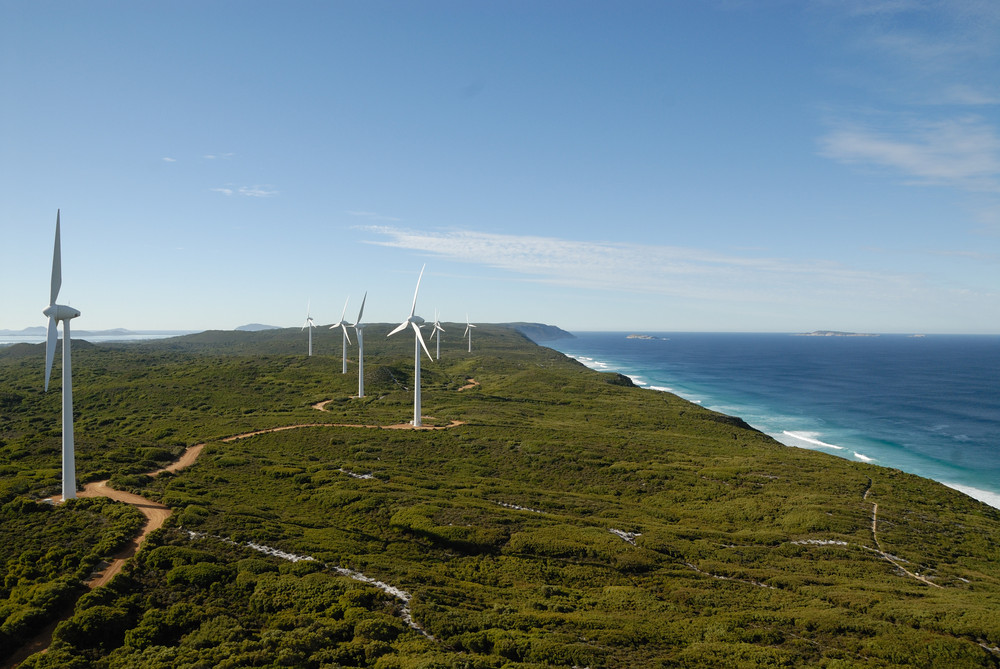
<point>667,165</point>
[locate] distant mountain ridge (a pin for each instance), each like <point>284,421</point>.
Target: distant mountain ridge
<point>256,327</point>
<point>41,331</point>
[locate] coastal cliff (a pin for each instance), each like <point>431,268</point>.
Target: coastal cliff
<point>550,515</point>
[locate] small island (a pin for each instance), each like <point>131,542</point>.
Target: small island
<point>642,336</point>
<point>834,333</point>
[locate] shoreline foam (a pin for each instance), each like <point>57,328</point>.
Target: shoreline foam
<point>807,438</point>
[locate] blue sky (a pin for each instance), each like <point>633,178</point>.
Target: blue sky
<point>651,166</point>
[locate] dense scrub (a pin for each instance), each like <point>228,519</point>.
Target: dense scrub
<point>570,520</point>
<point>46,553</point>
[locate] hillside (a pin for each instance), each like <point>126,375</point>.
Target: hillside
<point>558,517</point>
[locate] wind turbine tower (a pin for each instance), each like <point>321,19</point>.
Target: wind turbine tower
<point>309,324</point>
<point>418,341</point>
<point>359,327</point>
<point>468,331</point>
<point>437,333</point>
<point>56,313</point>
<point>343,325</point>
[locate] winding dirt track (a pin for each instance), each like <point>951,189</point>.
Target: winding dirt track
<point>156,514</point>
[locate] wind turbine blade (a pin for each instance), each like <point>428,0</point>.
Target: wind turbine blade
<point>413,307</point>
<point>420,338</point>
<point>362,308</point>
<point>56,266</point>
<point>50,349</point>
<point>344,312</point>
<point>343,326</point>
<point>399,328</point>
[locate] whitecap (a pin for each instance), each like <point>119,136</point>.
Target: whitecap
<point>809,438</point>
<point>862,457</point>
<point>985,496</point>
<point>662,389</point>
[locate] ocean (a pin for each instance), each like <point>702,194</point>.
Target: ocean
<point>928,405</point>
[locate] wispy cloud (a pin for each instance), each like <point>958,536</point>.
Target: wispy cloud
<point>637,268</point>
<point>372,216</point>
<point>169,160</point>
<point>218,156</point>
<point>962,152</point>
<point>248,191</point>
<point>257,191</point>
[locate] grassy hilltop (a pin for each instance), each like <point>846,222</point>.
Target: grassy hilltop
<point>568,519</point>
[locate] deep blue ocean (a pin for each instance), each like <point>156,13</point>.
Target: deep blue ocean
<point>928,405</point>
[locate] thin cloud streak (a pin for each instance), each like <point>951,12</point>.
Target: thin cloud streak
<point>247,191</point>
<point>641,269</point>
<point>963,153</point>
<point>257,191</point>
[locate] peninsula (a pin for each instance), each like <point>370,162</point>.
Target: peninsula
<point>549,515</point>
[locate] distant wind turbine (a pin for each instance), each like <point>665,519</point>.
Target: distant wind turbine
<point>343,325</point>
<point>437,333</point>
<point>309,324</point>
<point>56,313</point>
<point>468,331</point>
<point>418,341</point>
<point>359,327</point>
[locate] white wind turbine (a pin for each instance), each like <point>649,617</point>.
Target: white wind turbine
<point>437,333</point>
<point>343,325</point>
<point>359,327</point>
<point>309,324</point>
<point>468,331</point>
<point>418,341</point>
<point>56,313</point>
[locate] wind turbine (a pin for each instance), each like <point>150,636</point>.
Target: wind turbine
<point>343,326</point>
<point>418,341</point>
<point>56,313</point>
<point>437,333</point>
<point>359,327</point>
<point>468,331</point>
<point>309,324</point>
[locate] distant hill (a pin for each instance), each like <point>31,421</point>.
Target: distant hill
<point>539,332</point>
<point>39,330</point>
<point>256,327</point>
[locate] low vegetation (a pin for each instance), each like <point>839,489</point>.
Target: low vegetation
<point>567,519</point>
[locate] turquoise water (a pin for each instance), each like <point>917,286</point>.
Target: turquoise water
<point>926,405</point>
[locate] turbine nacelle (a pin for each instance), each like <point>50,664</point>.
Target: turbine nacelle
<point>60,312</point>
<point>343,324</point>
